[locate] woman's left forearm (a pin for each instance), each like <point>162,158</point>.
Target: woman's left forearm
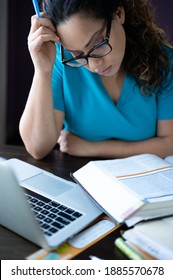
<point>161,146</point>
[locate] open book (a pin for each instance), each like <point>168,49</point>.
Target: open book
<point>131,189</point>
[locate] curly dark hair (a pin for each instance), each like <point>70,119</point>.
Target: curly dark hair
<point>146,55</point>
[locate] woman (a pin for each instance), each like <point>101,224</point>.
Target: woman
<point>103,81</point>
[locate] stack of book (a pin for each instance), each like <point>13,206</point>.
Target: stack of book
<point>148,240</point>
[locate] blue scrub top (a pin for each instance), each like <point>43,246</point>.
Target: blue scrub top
<point>91,113</point>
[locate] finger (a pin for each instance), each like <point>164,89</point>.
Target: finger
<point>36,45</point>
<point>42,15</point>
<point>63,149</point>
<point>43,31</point>
<point>64,132</point>
<point>62,144</point>
<point>59,140</point>
<point>62,137</point>
<point>37,22</point>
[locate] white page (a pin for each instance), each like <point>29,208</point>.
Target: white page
<point>150,186</point>
<point>134,165</point>
<point>135,173</point>
<point>169,221</point>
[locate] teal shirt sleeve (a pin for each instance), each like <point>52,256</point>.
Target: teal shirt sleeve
<point>165,102</point>
<point>165,97</point>
<point>57,84</point>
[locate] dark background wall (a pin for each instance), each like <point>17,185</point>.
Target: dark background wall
<point>20,69</point>
<point>164,16</point>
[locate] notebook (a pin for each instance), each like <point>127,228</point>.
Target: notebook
<point>42,207</point>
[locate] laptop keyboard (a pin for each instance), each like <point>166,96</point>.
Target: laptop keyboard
<point>52,216</point>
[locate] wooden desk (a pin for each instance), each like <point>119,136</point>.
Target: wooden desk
<point>14,247</point>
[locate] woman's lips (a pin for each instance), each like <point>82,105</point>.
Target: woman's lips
<point>104,71</point>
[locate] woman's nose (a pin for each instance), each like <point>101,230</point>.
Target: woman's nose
<point>94,63</point>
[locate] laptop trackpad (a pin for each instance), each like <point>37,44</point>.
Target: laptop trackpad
<point>48,184</point>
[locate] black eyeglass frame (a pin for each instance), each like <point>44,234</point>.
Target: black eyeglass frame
<point>81,56</point>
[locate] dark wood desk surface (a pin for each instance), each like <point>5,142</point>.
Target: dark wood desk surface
<point>14,247</point>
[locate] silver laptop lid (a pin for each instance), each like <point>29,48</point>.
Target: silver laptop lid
<point>15,213</point>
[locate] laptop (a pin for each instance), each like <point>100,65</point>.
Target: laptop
<point>42,207</point>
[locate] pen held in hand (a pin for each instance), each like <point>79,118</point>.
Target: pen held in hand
<point>36,8</point>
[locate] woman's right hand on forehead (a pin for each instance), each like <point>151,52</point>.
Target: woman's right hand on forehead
<point>41,43</point>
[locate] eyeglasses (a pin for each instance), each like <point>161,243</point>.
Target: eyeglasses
<point>100,50</point>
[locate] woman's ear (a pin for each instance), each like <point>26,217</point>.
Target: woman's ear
<point>120,15</point>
